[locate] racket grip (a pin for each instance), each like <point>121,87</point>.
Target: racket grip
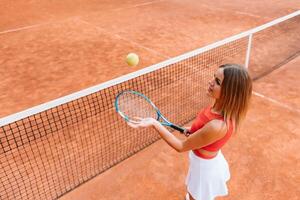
<point>182,130</point>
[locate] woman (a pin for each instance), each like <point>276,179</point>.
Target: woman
<point>231,90</point>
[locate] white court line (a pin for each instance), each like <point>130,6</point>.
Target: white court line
<point>42,24</point>
<point>38,25</point>
<point>253,15</point>
<point>237,12</point>
<point>276,102</point>
<point>23,28</point>
<point>122,38</point>
<point>138,5</point>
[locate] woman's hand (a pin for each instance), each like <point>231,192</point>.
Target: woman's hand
<point>164,133</point>
<point>142,123</point>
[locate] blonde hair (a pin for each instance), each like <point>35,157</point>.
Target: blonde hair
<point>236,90</point>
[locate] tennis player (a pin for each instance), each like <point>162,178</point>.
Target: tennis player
<point>231,89</point>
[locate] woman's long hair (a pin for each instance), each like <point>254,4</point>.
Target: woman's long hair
<point>236,90</point>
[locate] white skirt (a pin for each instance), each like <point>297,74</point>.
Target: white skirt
<point>207,178</point>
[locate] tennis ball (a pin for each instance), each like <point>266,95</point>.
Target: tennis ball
<point>132,59</point>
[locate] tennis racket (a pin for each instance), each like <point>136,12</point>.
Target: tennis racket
<point>132,106</point>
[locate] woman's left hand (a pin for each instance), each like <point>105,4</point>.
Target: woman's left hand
<point>143,123</point>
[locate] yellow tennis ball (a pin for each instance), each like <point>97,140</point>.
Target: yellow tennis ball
<point>132,59</point>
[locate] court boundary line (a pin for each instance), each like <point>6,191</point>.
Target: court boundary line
<point>25,28</point>
<point>237,12</point>
<point>122,38</point>
<point>252,15</point>
<point>274,101</point>
<point>70,18</point>
<point>68,98</point>
<point>38,25</point>
<point>139,5</point>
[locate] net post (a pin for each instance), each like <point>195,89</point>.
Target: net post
<point>248,51</point>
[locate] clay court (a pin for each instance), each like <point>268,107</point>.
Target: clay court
<point>51,49</point>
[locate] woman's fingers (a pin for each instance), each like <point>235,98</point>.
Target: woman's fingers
<point>133,125</point>
<point>141,123</point>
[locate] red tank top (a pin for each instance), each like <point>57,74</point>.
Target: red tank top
<point>204,117</point>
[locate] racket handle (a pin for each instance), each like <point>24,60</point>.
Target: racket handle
<point>182,130</point>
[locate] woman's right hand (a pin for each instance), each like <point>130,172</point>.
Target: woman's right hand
<point>142,123</point>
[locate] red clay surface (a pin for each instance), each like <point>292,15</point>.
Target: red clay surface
<point>53,48</point>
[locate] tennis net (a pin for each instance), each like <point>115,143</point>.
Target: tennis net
<point>52,148</point>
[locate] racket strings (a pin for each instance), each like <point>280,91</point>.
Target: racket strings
<point>135,107</point>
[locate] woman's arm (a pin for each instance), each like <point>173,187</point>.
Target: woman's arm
<point>211,132</point>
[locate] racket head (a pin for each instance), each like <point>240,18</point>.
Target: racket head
<point>132,106</point>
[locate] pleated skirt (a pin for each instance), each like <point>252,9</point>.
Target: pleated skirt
<point>207,178</point>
